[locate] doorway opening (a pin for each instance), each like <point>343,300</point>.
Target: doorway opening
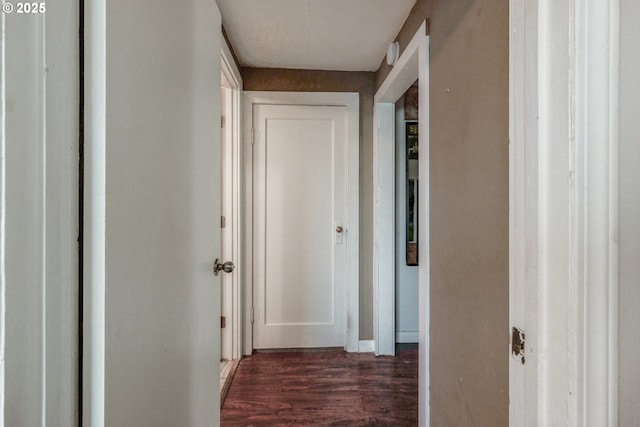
<point>277,204</point>
<point>412,65</point>
<point>407,316</point>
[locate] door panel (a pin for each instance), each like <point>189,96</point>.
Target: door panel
<point>161,203</point>
<point>300,200</point>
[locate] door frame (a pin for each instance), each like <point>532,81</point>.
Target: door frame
<point>351,101</point>
<point>412,65</point>
<point>234,187</point>
<point>563,203</point>
<point>40,140</point>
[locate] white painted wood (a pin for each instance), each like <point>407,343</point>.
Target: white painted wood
<point>366,346</point>
<point>230,69</point>
<point>351,102</point>
<point>247,224</point>
<point>523,208</point>
<point>597,91</point>
<point>413,64</point>
<point>153,192</point>
<point>226,232</point>
<point>94,222</point>
<point>407,279</point>
<point>629,211</point>
<point>353,221</point>
<point>62,224</point>
<point>313,34</point>
<point>233,126</point>
<point>300,262</point>
<point>403,74</point>
<point>564,212</point>
<point>384,229</point>
<point>424,258</point>
<point>556,369</point>
<point>543,288</point>
<point>39,217</point>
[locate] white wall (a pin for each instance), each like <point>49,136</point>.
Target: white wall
<point>39,222</point>
<point>629,333</point>
<point>407,307</point>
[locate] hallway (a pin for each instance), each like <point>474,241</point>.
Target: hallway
<point>324,387</point>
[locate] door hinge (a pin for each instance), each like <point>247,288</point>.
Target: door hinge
<point>222,121</point>
<point>223,322</point>
<point>253,136</point>
<point>223,222</point>
<point>251,315</point>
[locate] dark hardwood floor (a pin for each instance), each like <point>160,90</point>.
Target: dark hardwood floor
<point>324,388</point>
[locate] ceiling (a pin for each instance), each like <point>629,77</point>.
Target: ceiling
<point>345,35</point>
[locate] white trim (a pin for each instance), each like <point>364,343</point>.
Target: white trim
<point>412,65</point>
<point>232,72</point>
<point>403,74</point>
<point>94,244</point>
<point>384,292</point>
<point>407,336</point>
<point>351,101</point>
<point>597,90</point>
<point>247,225</point>
<point>563,211</point>
<point>62,221</point>
<point>39,134</point>
<point>227,281</point>
<point>523,209</point>
<point>234,128</point>
<point>366,346</point>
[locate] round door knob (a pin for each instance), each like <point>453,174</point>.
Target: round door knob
<point>339,229</point>
<point>218,266</point>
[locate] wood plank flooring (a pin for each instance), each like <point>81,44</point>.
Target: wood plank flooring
<point>324,388</point>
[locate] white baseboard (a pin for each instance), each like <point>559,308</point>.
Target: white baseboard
<point>407,336</point>
<point>366,346</point>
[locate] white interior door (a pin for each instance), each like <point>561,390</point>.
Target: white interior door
<point>152,177</point>
<point>299,228</point>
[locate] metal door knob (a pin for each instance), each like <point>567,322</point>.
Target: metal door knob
<point>339,229</point>
<point>227,267</point>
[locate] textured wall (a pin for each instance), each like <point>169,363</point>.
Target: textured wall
<point>269,79</point>
<point>469,208</point>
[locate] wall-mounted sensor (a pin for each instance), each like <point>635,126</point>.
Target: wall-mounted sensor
<point>393,52</point>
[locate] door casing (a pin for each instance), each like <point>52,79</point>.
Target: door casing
<point>351,102</point>
<point>233,210</point>
<point>39,216</point>
<point>412,65</point>
<point>563,203</point>
<point>300,155</point>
